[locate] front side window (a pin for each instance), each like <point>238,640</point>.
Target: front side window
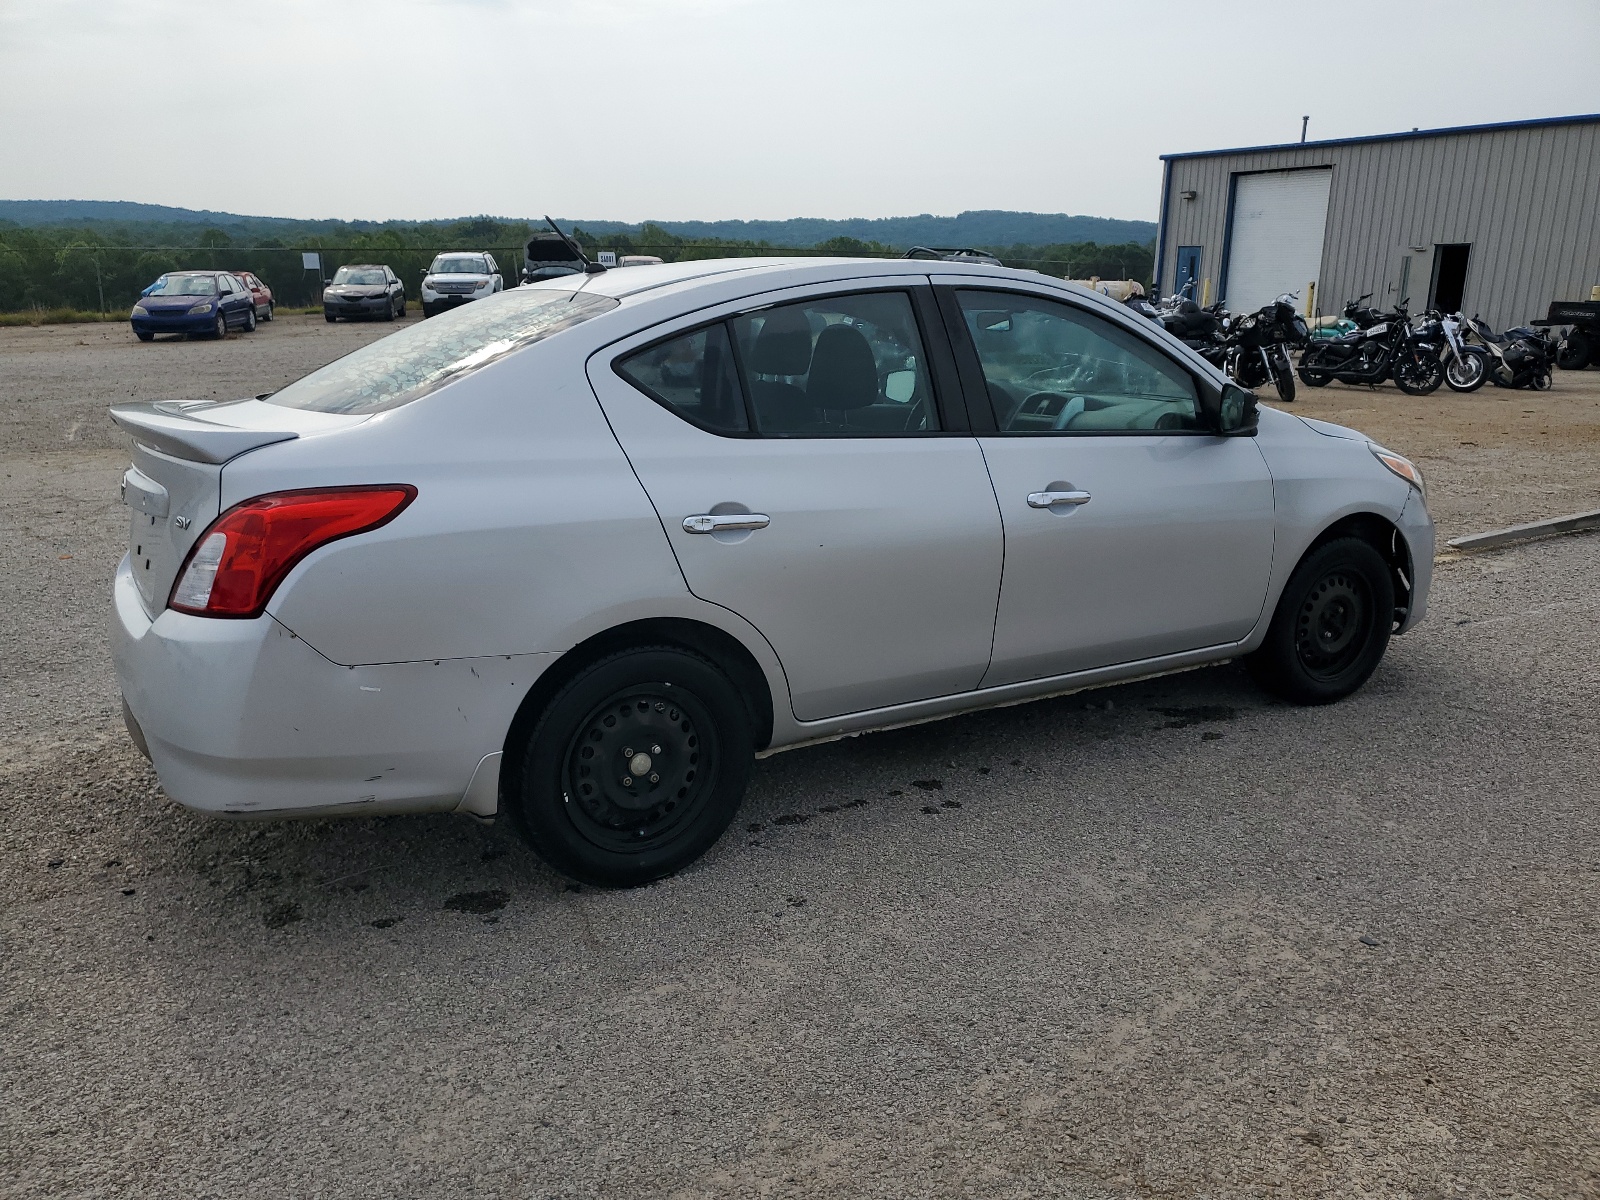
<point>1053,368</point>
<point>837,366</point>
<point>406,366</point>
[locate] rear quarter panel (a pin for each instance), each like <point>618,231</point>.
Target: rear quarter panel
<point>528,520</point>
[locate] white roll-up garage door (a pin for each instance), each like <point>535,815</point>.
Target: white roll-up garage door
<point>1276,240</point>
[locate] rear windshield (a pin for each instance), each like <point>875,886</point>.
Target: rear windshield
<point>184,285</point>
<point>408,365</point>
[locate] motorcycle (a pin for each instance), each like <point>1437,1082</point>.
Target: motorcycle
<point>1203,330</point>
<point>1518,358</point>
<point>1258,346</point>
<point>1387,349</point>
<point>1466,368</point>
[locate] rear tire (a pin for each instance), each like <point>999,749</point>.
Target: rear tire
<point>250,319</point>
<point>267,316</point>
<point>667,721</point>
<point>1331,626</point>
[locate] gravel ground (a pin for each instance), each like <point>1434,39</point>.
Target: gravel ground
<point>1169,939</point>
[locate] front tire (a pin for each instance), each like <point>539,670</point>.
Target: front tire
<point>1466,373</point>
<point>1331,626</point>
<point>144,337</point>
<point>389,313</point>
<point>329,318</point>
<point>1418,373</point>
<point>634,769</point>
<point>1283,376</point>
<point>219,329</point>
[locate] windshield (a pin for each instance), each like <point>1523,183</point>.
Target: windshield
<point>184,285</point>
<point>361,276</point>
<point>408,365</point>
<point>460,264</point>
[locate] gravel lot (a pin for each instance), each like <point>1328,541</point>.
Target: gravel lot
<point>1169,939</point>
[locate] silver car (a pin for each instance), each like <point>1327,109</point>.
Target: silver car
<point>581,551</point>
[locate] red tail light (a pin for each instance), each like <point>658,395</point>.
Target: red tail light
<point>238,562</point>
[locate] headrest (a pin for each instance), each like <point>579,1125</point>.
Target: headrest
<point>783,347</point>
<point>843,372</point>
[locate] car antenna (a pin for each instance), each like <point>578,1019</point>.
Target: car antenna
<point>589,268</point>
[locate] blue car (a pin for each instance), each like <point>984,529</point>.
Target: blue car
<point>210,302</point>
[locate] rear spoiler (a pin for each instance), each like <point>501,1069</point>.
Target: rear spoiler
<point>173,429</point>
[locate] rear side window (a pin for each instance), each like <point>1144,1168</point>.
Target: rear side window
<point>406,366</point>
<point>694,376</point>
<point>837,366</point>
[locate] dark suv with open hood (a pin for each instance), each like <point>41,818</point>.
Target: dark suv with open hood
<point>364,290</point>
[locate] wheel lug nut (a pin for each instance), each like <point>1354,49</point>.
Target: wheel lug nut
<point>655,779</point>
<point>627,752</point>
<point>627,781</point>
<point>655,749</point>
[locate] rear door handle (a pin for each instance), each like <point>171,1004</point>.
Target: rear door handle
<point>723,522</point>
<point>1054,499</point>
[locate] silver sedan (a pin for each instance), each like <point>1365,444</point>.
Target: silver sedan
<point>581,551</point>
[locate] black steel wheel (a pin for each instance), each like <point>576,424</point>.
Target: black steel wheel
<point>1417,373</point>
<point>634,769</point>
<point>1312,373</point>
<point>1331,626</point>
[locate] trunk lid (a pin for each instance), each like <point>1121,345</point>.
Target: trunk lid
<point>173,488</point>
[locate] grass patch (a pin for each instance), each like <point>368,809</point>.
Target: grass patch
<point>57,316</point>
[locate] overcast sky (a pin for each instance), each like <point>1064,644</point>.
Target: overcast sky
<point>711,109</point>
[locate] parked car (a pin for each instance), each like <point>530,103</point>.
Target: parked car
<point>193,302</point>
<point>578,555</point>
<point>457,278</point>
<point>260,294</point>
<point>364,290</point>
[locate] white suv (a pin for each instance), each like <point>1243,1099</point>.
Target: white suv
<point>457,277</point>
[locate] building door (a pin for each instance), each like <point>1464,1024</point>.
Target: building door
<point>1188,273</point>
<point>1449,276</point>
<point>1275,235</point>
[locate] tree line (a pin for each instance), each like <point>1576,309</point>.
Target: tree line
<point>104,269</point>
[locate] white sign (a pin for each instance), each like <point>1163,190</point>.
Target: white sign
<point>608,258</point>
<point>311,260</point>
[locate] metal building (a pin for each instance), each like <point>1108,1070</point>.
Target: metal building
<point>1490,219</point>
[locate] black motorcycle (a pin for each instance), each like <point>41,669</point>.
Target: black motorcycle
<point>1388,349</point>
<point>1518,358</point>
<point>1259,344</point>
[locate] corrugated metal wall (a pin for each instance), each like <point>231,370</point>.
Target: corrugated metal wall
<point>1528,201</point>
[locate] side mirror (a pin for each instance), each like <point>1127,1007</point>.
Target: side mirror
<point>900,386</point>
<point>1230,411</point>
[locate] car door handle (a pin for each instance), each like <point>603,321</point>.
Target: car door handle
<point>1053,499</point>
<point>723,522</point>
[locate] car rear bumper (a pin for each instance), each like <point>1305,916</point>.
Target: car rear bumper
<point>243,718</point>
